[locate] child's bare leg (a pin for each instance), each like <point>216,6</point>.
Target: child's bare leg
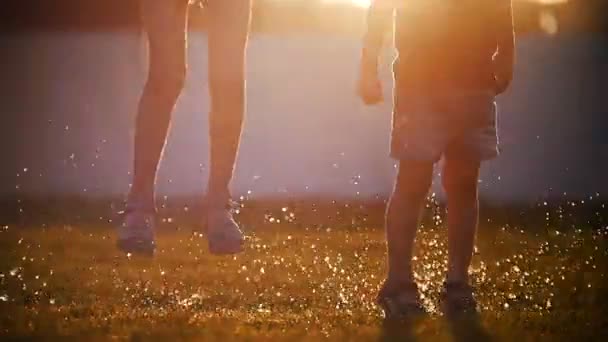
<point>228,30</point>
<point>164,22</point>
<point>460,177</point>
<point>402,217</point>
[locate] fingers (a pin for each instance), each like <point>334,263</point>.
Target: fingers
<point>501,85</point>
<point>369,87</point>
<point>371,99</point>
<point>370,91</point>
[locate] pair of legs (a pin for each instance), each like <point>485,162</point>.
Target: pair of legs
<point>165,22</point>
<point>166,25</point>
<point>460,177</point>
<point>399,295</point>
<point>461,127</point>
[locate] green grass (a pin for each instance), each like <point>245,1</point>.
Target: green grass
<point>310,276</point>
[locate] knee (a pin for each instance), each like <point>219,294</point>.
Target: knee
<point>167,83</point>
<point>413,187</point>
<point>460,186</point>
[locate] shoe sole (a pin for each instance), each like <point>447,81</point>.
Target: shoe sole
<point>144,248</point>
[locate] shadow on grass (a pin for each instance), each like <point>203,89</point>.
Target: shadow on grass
<point>397,330</point>
<point>467,327</point>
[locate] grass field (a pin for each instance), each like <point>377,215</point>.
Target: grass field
<point>309,273</point>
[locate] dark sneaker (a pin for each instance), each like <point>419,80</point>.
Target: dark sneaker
<point>136,231</point>
<point>458,298</point>
<point>400,301</point>
<point>223,233</point>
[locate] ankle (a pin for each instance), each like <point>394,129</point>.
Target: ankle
<point>457,278</point>
<point>400,278</point>
<point>141,201</point>
<point>217,196</point>
<point>392,288</point>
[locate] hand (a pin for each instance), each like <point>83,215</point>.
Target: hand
<point>501,85</point>
<point>503,76</point>
<point>369,87</point>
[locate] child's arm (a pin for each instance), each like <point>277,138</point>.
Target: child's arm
<point>379,21</point>
<point>505,41</point>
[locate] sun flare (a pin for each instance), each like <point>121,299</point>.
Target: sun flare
<point>361,3</point>
<point>366,3</point>
<point>358,3</point>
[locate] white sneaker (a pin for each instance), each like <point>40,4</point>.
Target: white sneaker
<point>223,233</point>
<point>136,232</point>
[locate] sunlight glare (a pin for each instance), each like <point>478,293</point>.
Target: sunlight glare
<point>367,3</point>
<point>358,3</point>
<point>548,22</point>
<point>551,2</point>
<point>361,3</point>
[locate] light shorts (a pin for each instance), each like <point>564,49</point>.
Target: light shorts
<point>457,125</point>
